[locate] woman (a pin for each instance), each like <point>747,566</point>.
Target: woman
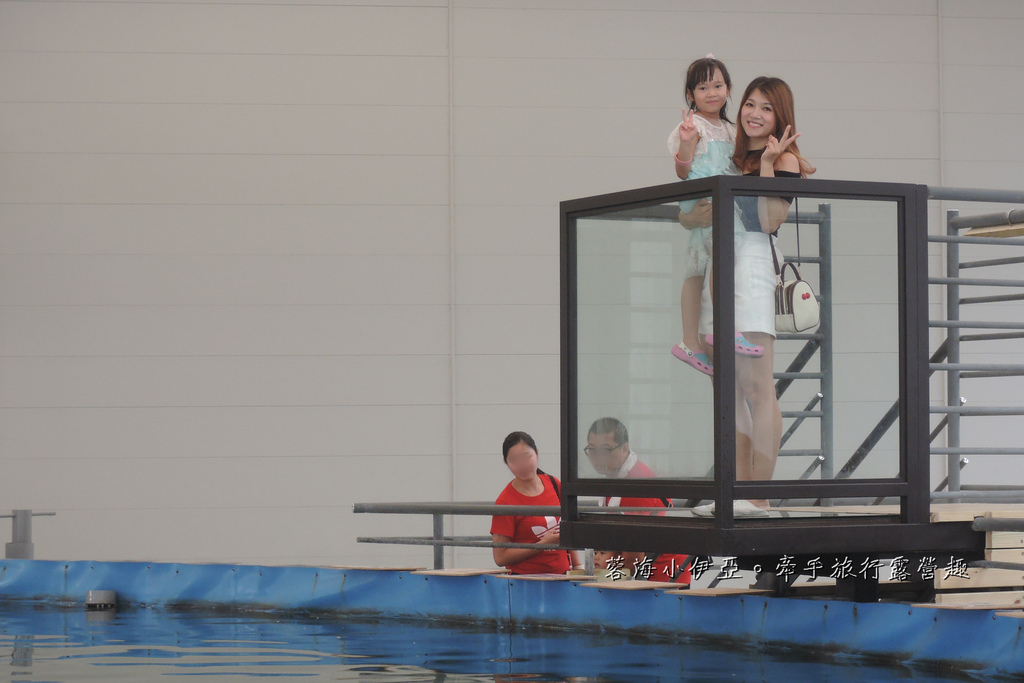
<point>531,486</point>
<point>766,147</point>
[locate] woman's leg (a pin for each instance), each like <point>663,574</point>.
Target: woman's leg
<point>757,384</point>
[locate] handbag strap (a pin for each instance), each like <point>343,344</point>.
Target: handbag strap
<point>797,200</point>
<point>775,257</point>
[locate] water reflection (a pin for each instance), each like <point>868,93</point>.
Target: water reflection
<point>68,644</point>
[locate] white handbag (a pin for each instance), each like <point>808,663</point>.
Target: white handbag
<point>796,306</point>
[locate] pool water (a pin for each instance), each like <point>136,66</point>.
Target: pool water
<point>52,643</point>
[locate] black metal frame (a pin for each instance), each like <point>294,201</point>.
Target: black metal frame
<point>908,531</point>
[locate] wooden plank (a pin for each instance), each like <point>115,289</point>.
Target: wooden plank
<point>990,599</point>
<point>632,585</point>
<point>981,578</point>
<point>1017,614</point>
<point>460,572</point>
<point>1005,511</point>
<point>720,592</point>
<point>1004,539</point>
<point>940,512</point>
<point>1005,555</point>
<point>543,577</point>
<point>378,569</point>
<point>997,231</point>
<point>930,605</point>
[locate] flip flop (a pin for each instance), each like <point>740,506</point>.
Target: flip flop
<point>698,361</point>
<point>743,347</point>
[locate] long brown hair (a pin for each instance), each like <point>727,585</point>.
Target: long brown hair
<point>780,97</point>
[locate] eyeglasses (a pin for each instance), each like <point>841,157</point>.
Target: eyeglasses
<point>600,451</point>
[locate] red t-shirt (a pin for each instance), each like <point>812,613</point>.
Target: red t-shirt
<point>666,566</point>
<point>530,529</point>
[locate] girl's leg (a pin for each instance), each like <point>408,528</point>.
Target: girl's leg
<point>689,304</point>
<point>758,385</point>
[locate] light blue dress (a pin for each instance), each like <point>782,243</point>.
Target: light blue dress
<point>713,156</point>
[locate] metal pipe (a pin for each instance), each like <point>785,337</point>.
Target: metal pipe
<point>995,336</point>
<point>990,241</point>
<point>953,395</point>
<point>989,220</point>
<point>443,542</point>
<point>979,411</point>
<point>796,423</point>
<point>973,194</point>
<point>975,324</point>
<point>974,282</point>
<point>992,262</point>
<point>486,509</point>
<point>977,451</point>
<point>795,366</point>
<point>438,534</point>
<point>997,524</point>
<point>825,328</point>
<point>979,496</point>
<point>991,487</point>
<point>796,375</point>
<point>809,451</point>
<point>991,299</point>
<point>986,367</point>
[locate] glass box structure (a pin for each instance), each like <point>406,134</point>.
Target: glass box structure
<point>627,260</point>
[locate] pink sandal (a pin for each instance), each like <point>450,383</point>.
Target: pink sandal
<point>743,347</point>
<point>698,361</point>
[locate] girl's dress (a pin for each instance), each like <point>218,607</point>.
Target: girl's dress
<point>713,156</point>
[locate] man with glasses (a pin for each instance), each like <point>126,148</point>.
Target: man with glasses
<point>609,452</point>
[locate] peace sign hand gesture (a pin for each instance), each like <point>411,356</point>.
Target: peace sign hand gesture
<point>687,129</point>
<point>774,149</point>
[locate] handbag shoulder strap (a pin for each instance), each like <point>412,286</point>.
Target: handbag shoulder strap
<point>775,257</point>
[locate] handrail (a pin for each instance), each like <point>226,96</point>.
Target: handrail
<point>21,546</point>
<point>974,194</point>
<point>988,220</point>
<point>439,509</point>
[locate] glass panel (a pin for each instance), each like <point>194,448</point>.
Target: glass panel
<point>631,269</point>
<point>638,270</point>
<point>847,253</point>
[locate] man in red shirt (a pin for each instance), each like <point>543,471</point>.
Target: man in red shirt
<point>608,451</point>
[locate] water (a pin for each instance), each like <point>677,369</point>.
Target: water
<point>48,643</point>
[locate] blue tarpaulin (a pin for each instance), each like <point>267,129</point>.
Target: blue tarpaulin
<point>978,641</point>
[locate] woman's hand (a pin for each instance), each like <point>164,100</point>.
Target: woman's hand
<point>774,149</point>
<point>700,217</point>
<point>551,537</point>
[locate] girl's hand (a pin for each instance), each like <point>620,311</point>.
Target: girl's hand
<point>774,149</point>
<point>687,130</point>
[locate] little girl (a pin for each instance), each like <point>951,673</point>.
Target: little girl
<point>703,146</point>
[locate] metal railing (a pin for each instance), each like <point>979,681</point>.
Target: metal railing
<point>21,546</point>
<point>947,357</point>
<point>437,511</point>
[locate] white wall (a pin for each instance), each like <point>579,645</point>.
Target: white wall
<point>262,260</point>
